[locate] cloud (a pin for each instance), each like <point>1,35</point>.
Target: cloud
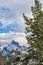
<point>6,38</point>
<point>15,26</point>
<point>6,16</point>
<point>6,13</point>
<point>12,9</point>
<point>8,21</point>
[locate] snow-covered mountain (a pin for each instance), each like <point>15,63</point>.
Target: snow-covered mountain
<point>15,47</point>
<point>12,46</point>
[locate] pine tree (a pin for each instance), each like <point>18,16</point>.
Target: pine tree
<point>34,30</point>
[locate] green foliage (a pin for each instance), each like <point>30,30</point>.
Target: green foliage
<point>11,60</point>
<point>34,30</point>
<point>26,59</point>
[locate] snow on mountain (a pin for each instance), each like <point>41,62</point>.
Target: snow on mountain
<point>12,46</point>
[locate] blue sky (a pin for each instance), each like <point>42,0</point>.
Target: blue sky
<point>11,19</point>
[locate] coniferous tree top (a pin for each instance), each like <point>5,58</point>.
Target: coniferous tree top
<point>34,29</point>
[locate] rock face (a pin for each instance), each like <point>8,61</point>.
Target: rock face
<point>2,61</point>
<point>12,46</point>
<point>5,52</point>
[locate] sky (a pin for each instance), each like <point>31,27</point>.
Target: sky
<point>12,24</point>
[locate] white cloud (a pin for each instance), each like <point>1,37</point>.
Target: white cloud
<point>6,38</point>
<point>6,22</point>
<point>17,8</point>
